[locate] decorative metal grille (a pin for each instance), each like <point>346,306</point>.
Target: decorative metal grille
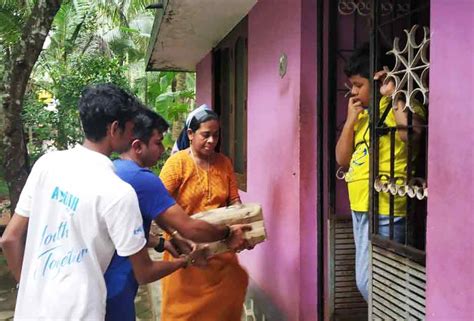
<point>403,174</point>
<point>410,72</point>
<point>363,7</point>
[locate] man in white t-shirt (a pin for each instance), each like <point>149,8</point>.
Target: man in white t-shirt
<point>74,213</point>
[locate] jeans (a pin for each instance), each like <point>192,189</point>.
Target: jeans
<point>360,225</point>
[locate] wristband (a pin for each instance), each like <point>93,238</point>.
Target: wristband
<point>160,247</point>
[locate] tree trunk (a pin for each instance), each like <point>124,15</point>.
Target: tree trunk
<point>23,58</point>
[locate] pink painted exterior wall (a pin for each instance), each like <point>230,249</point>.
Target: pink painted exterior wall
<point>309,267</point>
<point>282,156</point>
<point>273,149</point>
<point>204,81</point>
<point>281,167</point>
<point>450,238</point>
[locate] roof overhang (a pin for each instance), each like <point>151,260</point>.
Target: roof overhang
<point>184,31</point>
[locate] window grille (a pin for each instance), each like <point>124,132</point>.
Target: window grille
<point>398,277</point>
<point>410,48</point>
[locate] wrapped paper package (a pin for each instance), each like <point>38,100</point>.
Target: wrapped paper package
<point>249,213</point>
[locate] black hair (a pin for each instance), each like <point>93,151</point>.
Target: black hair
<point>359,61</point>
<point>146,121</point>
<point>101,105</point>
<point>202,117</point>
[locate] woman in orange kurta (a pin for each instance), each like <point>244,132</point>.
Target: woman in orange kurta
<point>201,179</point>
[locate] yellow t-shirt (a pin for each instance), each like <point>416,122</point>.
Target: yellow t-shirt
<point>357,177</point>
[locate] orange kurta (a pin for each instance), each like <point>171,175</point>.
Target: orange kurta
<point>217,292</point>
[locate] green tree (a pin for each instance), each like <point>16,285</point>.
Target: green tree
<point>19,61</point>
<point>87,42</point>
<point>57,125</point>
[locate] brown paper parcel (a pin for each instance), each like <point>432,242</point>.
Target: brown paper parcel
<point>248,213</point>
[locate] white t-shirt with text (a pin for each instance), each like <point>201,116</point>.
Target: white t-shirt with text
<point>79,213</point>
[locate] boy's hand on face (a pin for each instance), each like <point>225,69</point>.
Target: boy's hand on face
<point>354,108</point>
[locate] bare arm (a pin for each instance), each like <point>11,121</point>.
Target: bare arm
<point>146,270</point>
<point>345,144</point>
<point>13,243</point>
<point>174,218</point>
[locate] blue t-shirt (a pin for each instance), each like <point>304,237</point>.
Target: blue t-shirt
<point>153,199</point>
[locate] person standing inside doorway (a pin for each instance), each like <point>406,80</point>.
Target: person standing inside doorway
<point>352,154</point>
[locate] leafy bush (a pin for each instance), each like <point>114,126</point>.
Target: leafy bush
<point>58,126</point>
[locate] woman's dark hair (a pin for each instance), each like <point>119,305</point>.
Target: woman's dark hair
<point>359,61</point>
<point>146,121</point>
<point>101,105</point>
<point>201,117</point>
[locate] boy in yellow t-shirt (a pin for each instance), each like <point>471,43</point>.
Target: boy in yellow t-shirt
<point>352,153</point>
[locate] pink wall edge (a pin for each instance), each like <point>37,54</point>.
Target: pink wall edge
<point>449,235</point>
<point>450,238</point>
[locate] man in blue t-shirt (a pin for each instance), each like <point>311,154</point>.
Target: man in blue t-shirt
<point>157,205</point>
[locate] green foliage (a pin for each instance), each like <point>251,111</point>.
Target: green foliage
<point>3,186</point>
<point>87,71</point>
<point>12,17</point>
<point>59,127</point>
<point>90,42</point>
<point>40,126</point>
<point>171,104</point>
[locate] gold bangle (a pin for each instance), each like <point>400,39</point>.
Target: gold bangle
<point>175,232</point>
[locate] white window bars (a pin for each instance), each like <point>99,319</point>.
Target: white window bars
<point>410,72</point>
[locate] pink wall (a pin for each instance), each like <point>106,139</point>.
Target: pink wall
<point>308,164</point>
<point>273,148</point>
<point>281,169</point>
<point>204,81</point>
<point>450,238</point>
<point>282,156</point>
